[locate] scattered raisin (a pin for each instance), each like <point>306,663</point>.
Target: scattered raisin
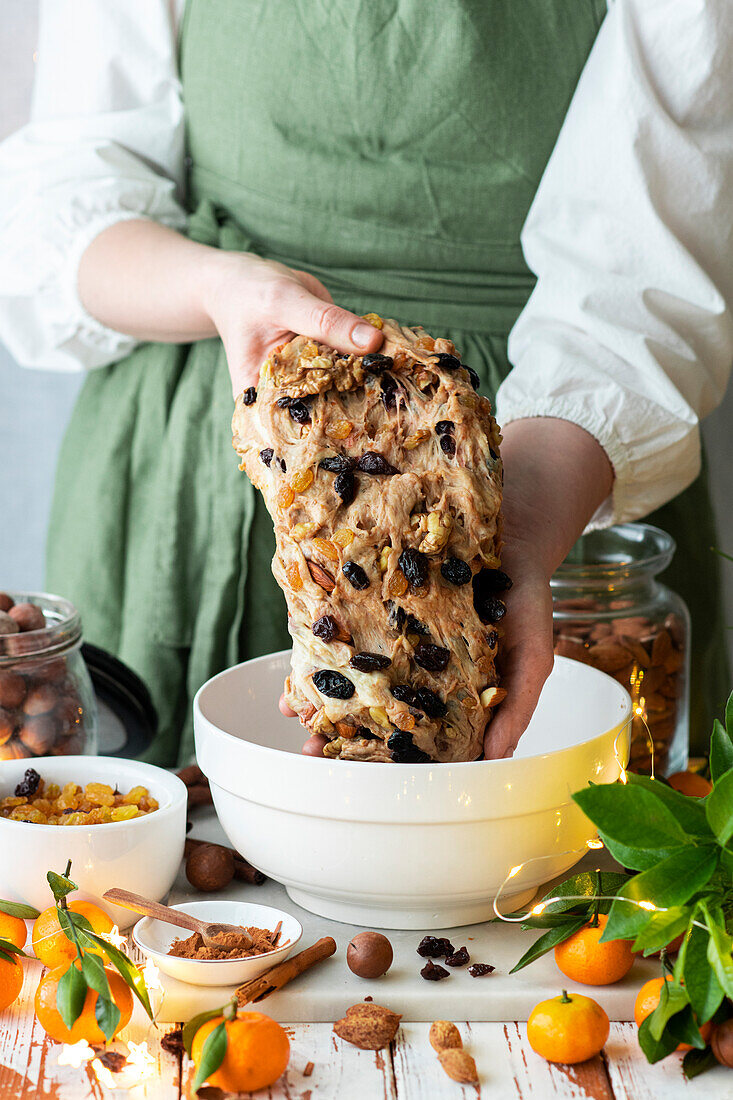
<point>377,363</point>
<point>366,734</point>
<point>414,626</point>
<point>369,662</point>
<point>433,658</point>
<point>114,1060</point>
<point>250,395</point>
<point>456,571</point>
<point>428,702</point>
<point>345,486</point>
<point>434,947</point>
<point>336,464</point>
<point>448,362</point>
<point>475,380</point>
<point>28,784</point>
<point>300,412</point>
<point>432,973</point>
<point>371,462</point>
<point>284,402</point>
<point>415,567</point>
<point>492,638</point>
<point>333,684</point>
<point>493,454</point>
<point>396,617</point>
<point>448,445</point>
<point>458,958</point>
<point>266,456</point>
<point>389,391</point>
<point>405,694</point>
<point>479,969</point>
<point>444,427</point>
<point>489,608</point>
<point>496,581</point>
<point>355,575</point>
<point>172,1042</point>
<point>404,751</point>
<point>326,628</point>
<point>281,465</point>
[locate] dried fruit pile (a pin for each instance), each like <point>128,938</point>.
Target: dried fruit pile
<point>383,477</point>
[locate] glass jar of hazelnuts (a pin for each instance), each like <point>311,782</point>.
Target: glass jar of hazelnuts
<point>47,705</point>
<point>610,611</point>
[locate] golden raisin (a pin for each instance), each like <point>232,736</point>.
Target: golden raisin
<point>123,813</point>
<point>374,319</point>
<point>404,720</point>
<point>397,584</point>
<point>339,429</point>
<point>326,548</point>
<point>294,578</point>
<point>302,531</point>
<point>302,480</point>
<point>343,537</point>
<point>415,440</point>
<point>285,496</point>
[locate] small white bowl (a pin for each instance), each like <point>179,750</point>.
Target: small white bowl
<point>142,855</point>
<point>154,938</point>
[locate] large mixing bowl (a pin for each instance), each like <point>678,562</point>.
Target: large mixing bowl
<point>406,845</point>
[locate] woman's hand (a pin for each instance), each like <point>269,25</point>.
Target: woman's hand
<point>555,477</point>
<point>257,304</point>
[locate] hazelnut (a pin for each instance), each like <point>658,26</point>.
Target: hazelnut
<point>7,626</point>
<point>68,746</point>
<point>210,867</point>
<point>12,689</point>
<point>721,1042</point>
<point>49,672</point>
<point>369,955</point>
<point>27,616</point>
<point>314,745</point>
<point>7,725</point>
<point>13,750</point>
<point>40,699</point>
<point>6,601</point>
<point>69,715</point>
<point>39,733</point>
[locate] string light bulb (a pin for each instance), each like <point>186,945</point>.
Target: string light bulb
<point>75,1054</point>
<point>115,938</point>
<point>140,1058</point>
<point>151,976</point>
<point>104,1075</point>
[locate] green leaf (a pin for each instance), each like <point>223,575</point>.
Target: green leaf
<point>720,945</point>
<point>719,808</point>
<point>92,968</point>
<point>696,1062</point>
<point>212,1055</point>
<point>638,859</point>
<point>549,940</point>
<point>689,812</point>
<point>683,1027</point>
<point>672,999</point>
<point>190,1029</point>
<point>107,1015</point>
<point>729,715</point>
<point>586,886</point>
<point>126,967</point>
<point>17,909</point>
<point>60,885</point>
<point>632,815</point>
<point>671,883</point>
<point>70,995</point>
<point>655,1049</point>
<point>721,751</point>
<point>661,929</point>
<point>703,987</point>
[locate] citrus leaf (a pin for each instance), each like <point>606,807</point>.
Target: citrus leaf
<point>92,968</point>
<point>190,1029</point>
<point>563,901</point>
<point>671,883</point>
<point>689,812</point>
<point>721,751</point>
<point>729,715</point>
<point>719,808</point>
<point>654,1049</point>
<point>131,974</point>
<point>683,1027</point>
<point>212,1055</point>
<point>696,1062</point>
<point>632,816</point>
<point>672,999</point>
<point>720,945</point>
<point>17,909</point>
<point>549,940</point>
<point>661,929</point>
<point>107,1015</point>
<point>67,926</point>
<point>703,988</point>
<point>71,993</point>
<point>60,885</point>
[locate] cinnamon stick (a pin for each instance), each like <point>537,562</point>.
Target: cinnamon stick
<point>243,869</point>
<point>278,976</point>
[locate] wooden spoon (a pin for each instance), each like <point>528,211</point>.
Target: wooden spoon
<point>154,909</point>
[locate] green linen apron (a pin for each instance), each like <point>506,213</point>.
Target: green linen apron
<point>393,149</point>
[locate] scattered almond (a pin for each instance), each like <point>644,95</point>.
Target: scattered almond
<point>444,1036</point>
<point>459,1065</point>
<point>368,1026</point>
<point>321,576</point>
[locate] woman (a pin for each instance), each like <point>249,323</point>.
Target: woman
<point>383,157</point>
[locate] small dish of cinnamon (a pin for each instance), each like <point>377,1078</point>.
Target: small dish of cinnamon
<point>268,937</point>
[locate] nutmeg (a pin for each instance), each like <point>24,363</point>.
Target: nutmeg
<point>12,690</point>
<point>27,616</point>
<point>721,1042</point>
<point>210,867</point>
<point>6,601</point>
<point>369,955</point>
<point>7,625</point>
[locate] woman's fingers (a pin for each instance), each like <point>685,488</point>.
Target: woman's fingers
<point>300,311</point>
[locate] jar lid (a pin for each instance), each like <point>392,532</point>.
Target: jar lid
<point>624,550</point>
<point>128,720</point>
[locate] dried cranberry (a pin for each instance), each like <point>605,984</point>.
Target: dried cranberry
<point>300,412</point>
<point>377,363</point>
<point>456,571</point>
<point>345,486</point>
<point>250,395</point>
<point>266,456</point>
<point>492,638</point>
<point>479,969</point>
<point>444,427</point>
<point>396,616</point>
<point>475,380</point>
<point>458,958</point>
<point>371,462</point>
<point>28,784</point>
<point>448,362</point>
<point>433,658</point>
<point>355,575</point>
<point>369,662</point>
<point>326,628</point>
<point>448,445</point>
<point>432,973</point>
<point>428,702</point>
<point>434,947</point>
<point>336,464</point>
<point>415,567</point>
<point>333,684</point>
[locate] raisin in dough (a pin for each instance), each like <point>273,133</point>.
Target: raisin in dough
<point>383,478</point>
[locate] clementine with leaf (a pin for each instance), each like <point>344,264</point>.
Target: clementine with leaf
<point>583,958</point>
<point>256,1052</point>
<point>49,942</point>
<point>85,1026</point>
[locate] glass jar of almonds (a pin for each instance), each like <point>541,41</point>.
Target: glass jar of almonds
<point>47,704</point>
<point>610,611</point>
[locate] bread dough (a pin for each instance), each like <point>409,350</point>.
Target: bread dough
<point>383,477</point>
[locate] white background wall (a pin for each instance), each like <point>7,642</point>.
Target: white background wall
<point>35,405</point>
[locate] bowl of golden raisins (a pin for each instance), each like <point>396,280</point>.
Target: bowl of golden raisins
<point>121,822</point>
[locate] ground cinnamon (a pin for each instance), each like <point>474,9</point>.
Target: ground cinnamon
<point>227,945</point>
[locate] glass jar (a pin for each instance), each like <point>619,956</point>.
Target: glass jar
<point>47,704</point>
<point>610,611</point>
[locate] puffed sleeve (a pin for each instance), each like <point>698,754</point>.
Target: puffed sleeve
<point>628,332</point>
<point>104,144</point>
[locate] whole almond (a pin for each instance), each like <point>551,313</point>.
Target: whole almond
<point>321,576</point>
<point>564,647</point>
<point>609,656</point>
<point>459,1065</point>
<point>368,1026</point>
<point>661,648</point>
<point>444,1036</point>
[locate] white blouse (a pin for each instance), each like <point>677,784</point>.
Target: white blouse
<point>628,332</point>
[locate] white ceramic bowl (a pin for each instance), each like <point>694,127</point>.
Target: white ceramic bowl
<point>142,855</point>
<point>405,845</point>
<point>154,939</point>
